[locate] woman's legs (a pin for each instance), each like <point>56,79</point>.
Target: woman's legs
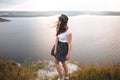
<point>58,68</point>
<point>65,66</point>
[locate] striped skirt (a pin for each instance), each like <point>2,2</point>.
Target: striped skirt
<point>62,50</point>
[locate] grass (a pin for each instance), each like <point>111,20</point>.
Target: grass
<point>97,73</point>
<point>9,70</point>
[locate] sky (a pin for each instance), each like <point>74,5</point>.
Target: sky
<point>59,5</point>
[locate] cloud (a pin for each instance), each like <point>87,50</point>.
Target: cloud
<point>51,5</point>
<point>9,3</point>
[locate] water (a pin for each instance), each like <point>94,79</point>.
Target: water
<point>95,38</point>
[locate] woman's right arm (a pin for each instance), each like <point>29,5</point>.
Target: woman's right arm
<point>56,42</point>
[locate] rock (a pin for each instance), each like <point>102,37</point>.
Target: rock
<point>50,71</point>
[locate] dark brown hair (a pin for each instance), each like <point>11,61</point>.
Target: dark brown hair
<point>63,26</point>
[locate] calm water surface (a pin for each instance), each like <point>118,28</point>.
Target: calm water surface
<point>96,39</point>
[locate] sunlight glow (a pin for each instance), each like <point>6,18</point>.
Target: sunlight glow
<point>72,5</point>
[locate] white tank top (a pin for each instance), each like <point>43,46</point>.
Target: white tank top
<point>63,36</point>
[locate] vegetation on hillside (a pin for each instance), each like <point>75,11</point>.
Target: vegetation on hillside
<point>10,70</point>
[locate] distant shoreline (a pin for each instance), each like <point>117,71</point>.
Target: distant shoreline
<point>4,20</point>
<point>52,13</point>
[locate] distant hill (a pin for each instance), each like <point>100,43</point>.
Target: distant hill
<point>3,20</point>
<point>52,13</point>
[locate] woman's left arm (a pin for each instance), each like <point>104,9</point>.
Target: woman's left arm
<point>69,45</point>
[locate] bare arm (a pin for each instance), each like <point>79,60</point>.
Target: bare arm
<point>56,42</point>
<point>69,45</point>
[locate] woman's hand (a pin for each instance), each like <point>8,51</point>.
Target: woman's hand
<point>68,56</point>
<point>55,51</point>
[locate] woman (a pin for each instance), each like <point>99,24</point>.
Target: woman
<point>62,48</point>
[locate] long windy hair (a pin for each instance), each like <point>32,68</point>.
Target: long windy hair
<point>62,27</point>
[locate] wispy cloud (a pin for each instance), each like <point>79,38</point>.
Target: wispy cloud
<point>51,5</point>
<point>9,3</point>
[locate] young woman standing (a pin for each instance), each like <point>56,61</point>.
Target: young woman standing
<point>62,47</point>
